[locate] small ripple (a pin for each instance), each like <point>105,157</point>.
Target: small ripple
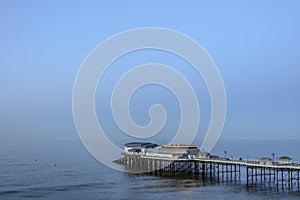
<point>12,184</point>
<point>71,187</point>
<point>34,192</point>
<point>7,192</point>
<point>17,165</point>
<point>32,196</point>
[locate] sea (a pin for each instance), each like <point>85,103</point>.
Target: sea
<point>65,170</point>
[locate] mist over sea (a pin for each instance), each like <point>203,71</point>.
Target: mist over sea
<point>65,170</point>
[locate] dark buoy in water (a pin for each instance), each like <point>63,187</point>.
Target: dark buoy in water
<point>54,164</point>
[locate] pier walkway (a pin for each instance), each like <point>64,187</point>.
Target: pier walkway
<point>283,175</point>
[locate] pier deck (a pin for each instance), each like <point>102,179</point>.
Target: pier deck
<point>283,175</point>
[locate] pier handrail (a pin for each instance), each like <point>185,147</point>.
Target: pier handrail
<point>249,163</point>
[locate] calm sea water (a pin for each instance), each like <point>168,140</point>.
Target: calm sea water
<point>65,170</point>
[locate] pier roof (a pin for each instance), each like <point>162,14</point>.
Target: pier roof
<point>141,144</point>
<point>285,158</point>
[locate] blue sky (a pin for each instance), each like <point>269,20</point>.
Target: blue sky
<point>255,44</point>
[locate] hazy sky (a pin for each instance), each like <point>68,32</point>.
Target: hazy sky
<point>255,44</point>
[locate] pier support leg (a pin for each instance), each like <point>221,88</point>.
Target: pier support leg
<point>298,179</point>
<point>282,178</point>
<point>247,175</point>
<point>276,177</point>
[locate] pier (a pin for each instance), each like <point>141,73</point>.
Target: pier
<point>172,159</point>
<point>283,175</point>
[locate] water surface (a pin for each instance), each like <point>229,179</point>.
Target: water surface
<point>65,170</point>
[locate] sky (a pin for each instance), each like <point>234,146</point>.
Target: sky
<point>255,44</point>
